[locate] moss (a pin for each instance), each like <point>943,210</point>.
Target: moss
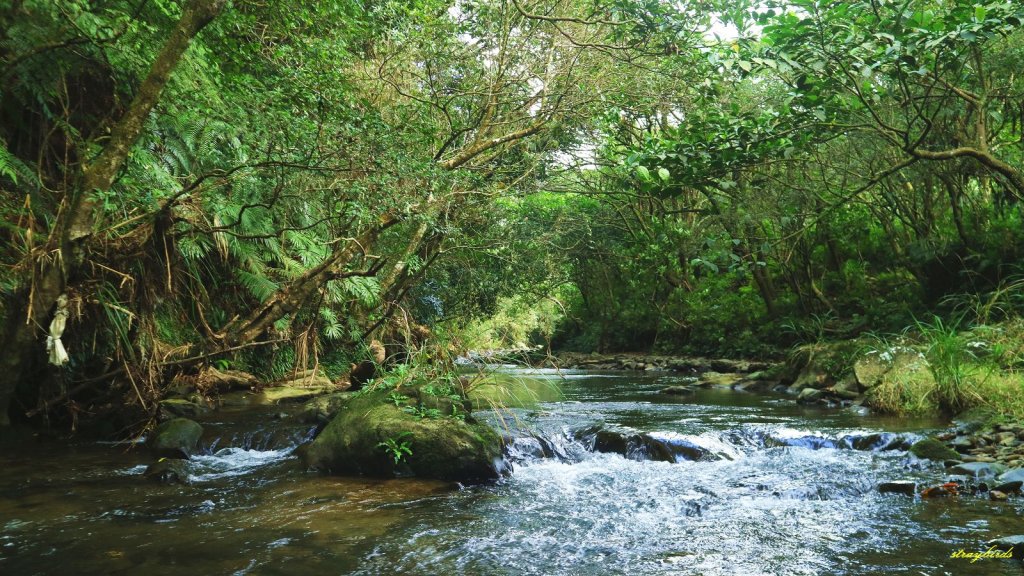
<point>932,449</point>
<point>444,448</point>
<point>175,438</point>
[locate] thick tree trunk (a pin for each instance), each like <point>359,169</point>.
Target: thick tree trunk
<point>58,261</point>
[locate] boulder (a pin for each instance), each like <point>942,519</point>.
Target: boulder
<point>1012,475</point>
<point>978,469</point>
<point>724,380</point>
<point>386,434</point>
<point>175,438</point>
<point>323,409</point>
<point>809,396</point>
<point>181,408</point>
<point>1007,543</point>
<point>168,471</point>
<point>1010,487</point>
<point>847,388</point>
<point>642,446</point>
<point>932,449</point>
<point>905,487</point>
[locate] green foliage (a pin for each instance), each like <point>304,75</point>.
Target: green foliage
<point>396,447</point>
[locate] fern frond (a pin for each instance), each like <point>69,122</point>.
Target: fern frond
<point>258,285</point>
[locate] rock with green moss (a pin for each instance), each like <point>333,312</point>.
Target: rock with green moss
<point>932,449</point>
<point>386,433</point>
<point>183,408</point>
<point>175,438</point>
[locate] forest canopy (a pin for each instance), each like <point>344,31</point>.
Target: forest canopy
<point>271,186</point>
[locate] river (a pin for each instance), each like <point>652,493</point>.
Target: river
<point>755,485</point>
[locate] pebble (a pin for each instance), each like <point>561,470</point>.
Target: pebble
<point>998,496</point>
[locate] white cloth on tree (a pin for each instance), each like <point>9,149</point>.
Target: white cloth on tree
<point>55,348</point>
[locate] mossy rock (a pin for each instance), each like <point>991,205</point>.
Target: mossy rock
<point>175,438</point>
<point>182,408</point>
<point>357,441</point>
<point>932,449</point>
<point>322,409</point>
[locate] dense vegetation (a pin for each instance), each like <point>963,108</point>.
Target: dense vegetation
<point>271,185</point>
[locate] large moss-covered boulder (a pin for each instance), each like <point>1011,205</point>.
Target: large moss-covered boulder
<point>932,449</point>
<point>408,432</point>
<point>175,438</point>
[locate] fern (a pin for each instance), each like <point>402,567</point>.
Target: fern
<point>194,247</point>
<point>364,290</point>
<point>258,285</point>
<point>7,161</point>
<point>333,330</point>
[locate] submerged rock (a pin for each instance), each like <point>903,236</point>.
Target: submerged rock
<point>906,487</point>
<point>932,449</point>
<point>175,438</point>
<point>642,445</point>
<point>168,471</point>
<point>382,433</point>
<point>677,391</point>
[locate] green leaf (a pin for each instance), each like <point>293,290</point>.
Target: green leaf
<point>664,174</point>
<point>643,173</point>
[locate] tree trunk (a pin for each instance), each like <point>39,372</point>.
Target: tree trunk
<point>59,260</point>
<point>290,298</point>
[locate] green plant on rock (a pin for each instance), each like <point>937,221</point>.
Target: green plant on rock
<point>397,399</point>
<point>422,412</point>
<point>396,447</point>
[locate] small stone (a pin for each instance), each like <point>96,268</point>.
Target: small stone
<point>997,496</point>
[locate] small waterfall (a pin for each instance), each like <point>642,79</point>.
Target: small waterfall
<point>573,446</point>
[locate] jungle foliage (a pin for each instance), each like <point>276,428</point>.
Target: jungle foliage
<point>270,185</point>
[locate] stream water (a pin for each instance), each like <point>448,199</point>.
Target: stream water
<point>720,482</point>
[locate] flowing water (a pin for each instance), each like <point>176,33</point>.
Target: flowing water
<point>608,477</point>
